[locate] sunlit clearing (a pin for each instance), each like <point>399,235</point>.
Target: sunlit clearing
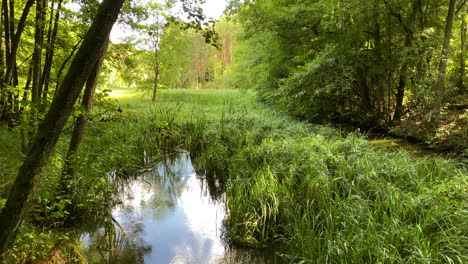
<point>123,93</point>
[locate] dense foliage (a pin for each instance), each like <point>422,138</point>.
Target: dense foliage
<point>323,197</point>
<point>371,63</point>
<point>37,102</point>
<point>318,194</point>
<point>183,59</point>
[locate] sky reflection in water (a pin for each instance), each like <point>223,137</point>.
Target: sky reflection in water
<point>168,217</point>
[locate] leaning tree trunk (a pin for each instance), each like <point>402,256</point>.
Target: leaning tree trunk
<point>64,64</point>
<point>51,127</point>
<point>439,87</point>
<point>82,120</point>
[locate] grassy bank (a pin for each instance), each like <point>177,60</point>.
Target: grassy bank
<point>323,197</point>
<point>330,199</point>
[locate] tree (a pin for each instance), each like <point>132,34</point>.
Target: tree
<point>463,49</point>
<point>82,121</point>
<point>439,87</point>
<point>50,128</point>
<point>154,32</point>
<point>362,62</point>
<point>410,28</point>
<point>12,40</point>
<point>37,57</point>
<point>50,49</point>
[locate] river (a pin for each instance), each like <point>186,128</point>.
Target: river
<point>168,216</point>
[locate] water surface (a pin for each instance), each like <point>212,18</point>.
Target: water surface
<point>168,216</point>
<point>395,144</point>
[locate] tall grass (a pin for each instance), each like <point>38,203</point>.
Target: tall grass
<point>345,203</point>
<point>328,199</point>
<point>324,198</point>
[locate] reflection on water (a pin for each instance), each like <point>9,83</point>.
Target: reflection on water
<point>167,216</point>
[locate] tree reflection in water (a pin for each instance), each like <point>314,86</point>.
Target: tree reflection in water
<point>171,215</point>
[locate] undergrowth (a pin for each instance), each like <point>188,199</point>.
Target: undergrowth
<point>323,197</point>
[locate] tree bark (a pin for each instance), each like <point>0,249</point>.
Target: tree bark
<point>409,29</point>
<point>12,19</point>
<point>364,93</point>
<point>3,82</point>
<point>50,54</point>
<point>156,80</point>
<point>2,51</point>
<point>82,120</point>
<point>51,127</point>
<point>13,43</point>
<point>439,87</point>
<point>400,95</point>
<point>37,58</point>
<point>6,28</point>
<point>463,51</point>
<point>401,89</point>
<point>156,48</point>
<point>11,48</point>
<point>62,67</point>
<point>25,136</point>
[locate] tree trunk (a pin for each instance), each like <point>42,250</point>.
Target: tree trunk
<point>409,29</point>
<point>82,121</point>
<point>37,58</point>
<point>6,28</point>
<point>364,94</point>
<point>50,54</point>
<point>401,89</point>
<point>4,82</point>
<point>62,67</point>
<point>11,48</point>
<point>463,51</point>
<point>25,136</point>
<point>439,87</point>
<point>27,87</point>
<point>400,93</point>
<point>2,51</point>
<point>156,47</point>
<point>51,127</point>
<point>12,17</point>
<point>402,82</point>
<point>13,40</point>
<point>156,81</point>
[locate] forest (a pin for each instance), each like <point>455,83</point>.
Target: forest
<point>282,131</point>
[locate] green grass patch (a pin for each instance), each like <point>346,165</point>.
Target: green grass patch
<point>327,198</point>
<point>324,197</point>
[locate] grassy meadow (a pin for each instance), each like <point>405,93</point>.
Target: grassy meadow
<point>319,196</point>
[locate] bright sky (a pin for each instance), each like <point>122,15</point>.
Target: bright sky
<point>211,9</point>
<point>214,8</point>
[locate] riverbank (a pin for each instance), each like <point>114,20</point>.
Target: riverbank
<point>324,197</point>
<point>450,143</point>
<point>450,135</point>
